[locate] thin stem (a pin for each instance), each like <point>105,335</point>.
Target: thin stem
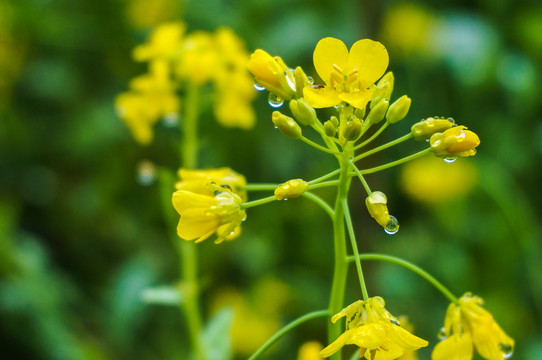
<point>361,178</point>
<point>378,132</point>
<point>324,184</point>
<point>414,268</point>
<point>318,200</point>
<point>383,147</point>
<point>189,143</point>
<point>317,146</point>
<point>286,329</point>
<point>324,177</point>
<point>258,202</point>
<point>258,187</point>
<point>352,235</point>
<point>394,163</point>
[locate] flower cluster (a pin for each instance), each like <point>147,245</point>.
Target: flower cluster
<point>178,61</point>
<point>209,201</point>
<point>378,334</point>
<point>468,326</point>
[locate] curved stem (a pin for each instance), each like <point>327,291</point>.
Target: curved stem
<point>352,235</point>
<point>414,268</point>
<point>378,132</point>
<point>361,178</point>
<point>258,202</point>
<point>324,184</point>
<point>318,200</point>
<point>317,146</point>
<point>286,329</point>
<point>383,147</point>
<point>325,177</point>
<point>393,163</point>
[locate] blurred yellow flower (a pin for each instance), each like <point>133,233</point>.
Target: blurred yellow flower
<point>198,58</point>
<point>197,181</point>
<point>347,75</point>
<point>142,14</point>
<point>467,325</point>
<point>371,327</point>
<point>205,215</point>
<point>454,142</point>
<point>432,181</point>
<point>310,351</point>
<point>165,42</point>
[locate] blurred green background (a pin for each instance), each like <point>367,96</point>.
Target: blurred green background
<point>80,237</point>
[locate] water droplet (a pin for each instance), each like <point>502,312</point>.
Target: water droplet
<point>426,140</point>
<point>392,227</point>
<point>507,350</point>
<point>275,101</point>
<point>146,173</point>
<point>310,80</point>
<point>442,334</point>
<point>171,120</point>
<point>395,322</point>
<point>258,86</point>
<point>450,160</point>
<point>451,120</point>
<point>289,74</point>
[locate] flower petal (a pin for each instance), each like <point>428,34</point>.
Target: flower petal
<point>371,60</point>
<point>197,223</point>
<point>454,348</point>
<point>357,99</point>
<point>329,51</point>
<point>321,97</point>
<point>185,200</point>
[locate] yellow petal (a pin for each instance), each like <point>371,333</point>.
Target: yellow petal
<point>197,223</point>
<point>357,99</point>
<point>454,348</point>
<point>371,60</point>
<point>328,52</point>
<point>185,200</point>
<point>321,97</point>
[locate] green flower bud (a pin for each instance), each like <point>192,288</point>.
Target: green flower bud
<point>377,114</point>
<point>301,80</point>
<point>426,128</point>
<point>286,125</point>
<point>302,112</point>
<point>329,128</point>
<point>360,113</point>
<point>398,110</point>
<point>383,89</point>
<point>352,130</point>
<point>291,189</point>
<point>377,205</point>
<point>335,121</point>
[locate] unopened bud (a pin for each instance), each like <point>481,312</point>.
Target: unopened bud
<point>377,114</point>
<point>352,130</point>
<point>383,89</point>
<point>398,110</point>
<point>454,142</point>
<point>301,80</point>
<point>335,121</point>
<point>330,129</point>
<point>286,125</point>
<point>302,112</point>
<point>360,113</point>
<point>291,189</point>
<point>377,205</point>
<point>426,128</point>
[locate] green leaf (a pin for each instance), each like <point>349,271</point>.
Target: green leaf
<point>216,337</point>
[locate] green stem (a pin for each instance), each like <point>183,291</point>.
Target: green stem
<point>352,235</point>
<point>286,329</point>
<point>324,184</point>
<point>189,127</point>
<point>414,268</point>
<point>317,146</point>
<point>324,177</point>
<point>258,202</point>
<point>378,132</point>
<point>393,163</point>
<point>258,187</point>
<point>361,178</point>
<point>318,200</point>
<point>383,147</point>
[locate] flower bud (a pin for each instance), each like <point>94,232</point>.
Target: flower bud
<point>425,128</point>
<point>301,80</point>
<point>377,205</point>
<point>377,114</point>
<point>454,142</point>
<point>352,130</point>
<point>383,89</point>
<point>335,121</point>
<point>291,189</point>
<point>360,113</point>
<point>398,110</point>
<point>271,73</point>
<point>302,112</point>
<point>286,125</point>
<point>330,129</point>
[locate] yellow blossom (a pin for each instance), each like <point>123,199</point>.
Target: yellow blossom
<point>377,333</point>
<point>164,42</point>
<point>198,58</point>
<point>310,351</point>
<point>454,142</point>
<point>204,215</point>
<point>272,73</point>
<point>348,75</point>
<point>143,14</point>
<point>198,181</point>
<point>291,189</point>
<point>405,324</point>
<point>468,326</point>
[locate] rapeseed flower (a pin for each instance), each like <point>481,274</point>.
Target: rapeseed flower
<point>457,141</point>
<point>198,181</point>
<point>272,73</point>
<point>348,76</point>
<point>165,42</point>
<point>468,326</point>
<point>371,327</point>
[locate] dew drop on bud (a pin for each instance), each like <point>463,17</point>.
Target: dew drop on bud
<point>442,334</point>
<point>506,350</point>
<point>310,80</point>
<point>450,160</point>
<point>275,101</point>
<point>171,120</point>
<point>258,86</point>
<point>395,322</point>
<point>392,227</point>
<point>289,74</point>
<point>146,173</point>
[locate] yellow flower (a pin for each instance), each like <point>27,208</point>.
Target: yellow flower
<point>454,142</point>
<point>144,14</point>
<point>198,181</point>
<point>272,73</point>
<point>197,61</point>
<point>164,42</point>
<point>348,75</point>
<point>291,189</point>
<point>405,324</point>
<point>467,325</point>
<point>310,351</point>
<point>371,327</point>
<point>204,215</point>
